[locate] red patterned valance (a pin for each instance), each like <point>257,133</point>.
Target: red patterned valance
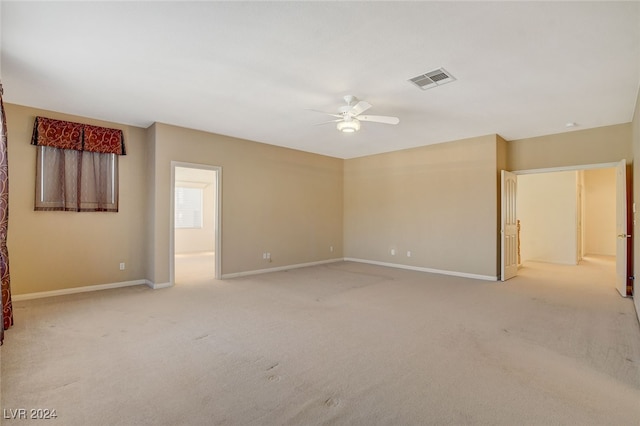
<point>57,134</point>
<point>101,139</point>
<point>77,136</point>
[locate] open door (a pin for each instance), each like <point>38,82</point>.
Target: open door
<point>509,226</point>
<point>621,228</point>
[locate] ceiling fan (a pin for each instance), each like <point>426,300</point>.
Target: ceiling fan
<point>350,115</point>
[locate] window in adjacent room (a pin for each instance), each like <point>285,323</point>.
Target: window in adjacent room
<point>188,207</point>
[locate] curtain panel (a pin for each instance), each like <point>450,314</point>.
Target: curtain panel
<point>76,181</point>
<point>77,166</point>
<point>7,306</point>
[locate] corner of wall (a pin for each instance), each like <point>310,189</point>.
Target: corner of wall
<point>502,150</point>
<point>502,155</point>
<point>150,201</point>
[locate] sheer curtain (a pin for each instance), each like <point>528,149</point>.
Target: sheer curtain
<point>78,181</point>
<point>77,166</point>
<point>7,308</point>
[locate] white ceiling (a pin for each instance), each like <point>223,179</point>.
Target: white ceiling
<point>251,70</point>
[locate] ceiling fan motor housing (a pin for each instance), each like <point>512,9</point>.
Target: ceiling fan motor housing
<point>344,110</point>
<point>349,126</point>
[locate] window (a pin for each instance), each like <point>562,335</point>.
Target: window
<point>77,166</point>
<point>188,207</point>
<point>72,180</point>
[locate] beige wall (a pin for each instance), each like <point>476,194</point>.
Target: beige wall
<point>274,199</point>
<point>592,146</point>
<point>59,250</point>
<point>600,211</point>
<point>438,201</point>
<point>547,210</point>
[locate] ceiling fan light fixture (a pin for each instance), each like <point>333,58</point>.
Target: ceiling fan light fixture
<point>350,126</point>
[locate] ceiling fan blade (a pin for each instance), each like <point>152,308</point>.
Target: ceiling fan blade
<point>324,112</point>
<point>327,122</point>
<point>379,119</point>
<point>359,108</point>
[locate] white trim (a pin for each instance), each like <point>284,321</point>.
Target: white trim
<point>113,178</point>
<point>279,268</point>
<point>41,148</point>
<point>429,270</point>
<point>373,262</point>
<point>566,168</point>
<point>75,290</point>
<point>157,286</point>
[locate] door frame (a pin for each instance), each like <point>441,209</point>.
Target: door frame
<point>217,208</point>
<point>623,231</point>
<point>613,165</point>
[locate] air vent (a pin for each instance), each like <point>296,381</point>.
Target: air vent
<point>432,79</point>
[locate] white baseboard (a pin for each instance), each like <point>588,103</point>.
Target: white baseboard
<point>41,294</point>
<point>373,262</point>
<point>279,268</point>
<point>429,270</point>
<point>156,286</point>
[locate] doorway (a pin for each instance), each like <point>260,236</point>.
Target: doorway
<point>549,211</point>
<point>195,223</point>
<point>569,218</point>
<point>572,234</point>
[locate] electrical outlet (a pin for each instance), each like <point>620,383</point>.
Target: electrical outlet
<point>393,252</point>
<point>122,266</point>
<point>408,253</point>
<point>331,249</point>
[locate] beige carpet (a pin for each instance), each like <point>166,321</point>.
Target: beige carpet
<point>343,343</point>
<point>194,267</point>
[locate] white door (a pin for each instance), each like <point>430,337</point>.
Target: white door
<point>621,228</point>
<point>509,227</point>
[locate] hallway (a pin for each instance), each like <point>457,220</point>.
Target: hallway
<point>194,267</point>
